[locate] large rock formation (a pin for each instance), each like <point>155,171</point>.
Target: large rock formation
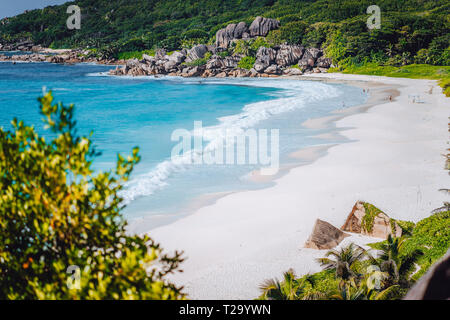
<point>307,61</point>
<point>264,58</point>
<point>178,57</point>
<point>368,220</point>
<point>324,236</point>
<point>323,62</point>
<point>160,54</point>
<point>196,52</point>
<point>289,55</point>
<point>229,33</point>
<point>261,26</point>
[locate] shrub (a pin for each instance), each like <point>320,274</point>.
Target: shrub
<point>246,63</point>
<point>170,43</point>
<point>274,38</point>
<point>445,84</point>
<point>293,32</point>
<point>243,47</point>
<point>223,54</point>
<point>336,47</point>
<point>369,217</point>
<point>56,213</point>
<point>197,34</point>
<point>439,51</point>
<point>257,43</point>
<point>430,235</point>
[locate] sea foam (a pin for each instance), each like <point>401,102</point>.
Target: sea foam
<point>295,95</point>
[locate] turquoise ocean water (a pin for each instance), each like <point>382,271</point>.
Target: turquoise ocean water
<point>126,112</point>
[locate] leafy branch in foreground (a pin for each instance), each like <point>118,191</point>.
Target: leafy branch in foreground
<point>55,213</point>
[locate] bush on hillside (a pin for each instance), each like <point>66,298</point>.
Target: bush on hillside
<point>61,222</point>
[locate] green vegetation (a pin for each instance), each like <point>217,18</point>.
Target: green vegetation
<point>445,84</point>
<point>369,217</point>
<point>291,288</point>
<point>134,54</point>
<point>246,63</point>
<point>223,54</point>
<point>56,213</point>
<point>432,236</point>
<point>413,71</point>
<point>343,261</point>
<point>351,272</point>
<point>412,31</point>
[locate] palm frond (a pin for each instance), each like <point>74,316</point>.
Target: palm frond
<point>387,293</point>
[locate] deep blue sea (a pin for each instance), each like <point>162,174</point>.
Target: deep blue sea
<point>126,112</point>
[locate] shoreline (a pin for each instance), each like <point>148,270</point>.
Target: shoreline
<point>245,237</point>
<point>303,156</point>
<point>300,157</point>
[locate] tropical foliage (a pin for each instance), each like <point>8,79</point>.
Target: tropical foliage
<point>342,261</point>
<point>412,31</point>
<point>62,233</point>
<point>290,288</point>
<point>246,63</point>
<point>352,273</point>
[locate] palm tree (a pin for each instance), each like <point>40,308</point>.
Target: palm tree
<point>290,288</point>
<point>348,291</point>
<point>396,264</point>
<point>375,285</point>
<point>343,260</point>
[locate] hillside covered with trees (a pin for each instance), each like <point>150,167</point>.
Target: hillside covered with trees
<point>412,31</point>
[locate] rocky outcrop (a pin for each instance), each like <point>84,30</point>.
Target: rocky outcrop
<point>269,62</point>
<point>260,27</point>
<point>197,52</point>
<point>264,58</point>
<point>177,57</point>
<point>307,61</point>
<point>232,31</point>
<point>324,236</point>
<point>160,54</point>
<point>369,220</point>
<point>23,45</point>
<point>292,72</point>
<point>68,57</point>
<point>323,62</point>
<point>289,55</point>
<point>273,69</point>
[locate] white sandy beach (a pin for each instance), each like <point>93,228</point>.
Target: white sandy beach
<point>394,160</point>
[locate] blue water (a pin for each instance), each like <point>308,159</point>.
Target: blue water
<point>128,112</point>
<point>12,53</point>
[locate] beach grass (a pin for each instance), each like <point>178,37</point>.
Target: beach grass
<point>412,71</point>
